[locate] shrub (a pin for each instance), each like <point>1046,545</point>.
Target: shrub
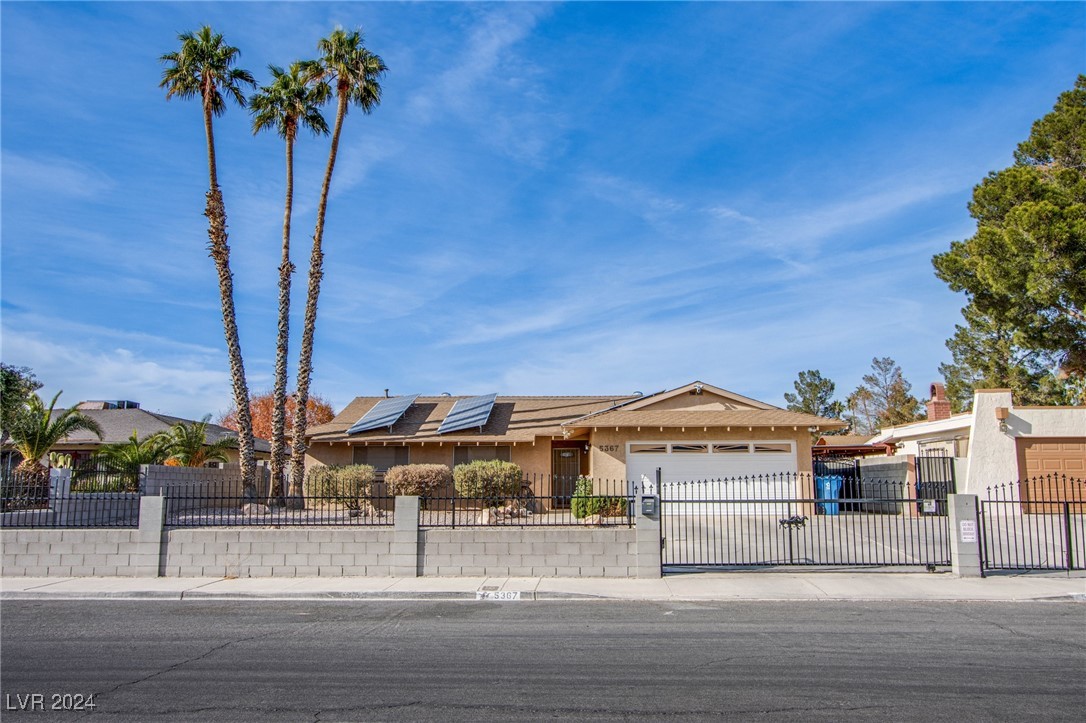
<point>348,485</point>
<point>584,504</point>
<point>423,480</point>
<point>492,480</point>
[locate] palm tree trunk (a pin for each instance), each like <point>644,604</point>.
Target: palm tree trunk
<point>220,253</point>
<point>305,358</point>
<point>279,396</point>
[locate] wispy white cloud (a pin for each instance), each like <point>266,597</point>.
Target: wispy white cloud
<point>183,384</point>
<point>53,175</point>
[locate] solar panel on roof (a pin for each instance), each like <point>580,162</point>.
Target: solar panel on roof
<point>383,414</point>
<point>468,413</point>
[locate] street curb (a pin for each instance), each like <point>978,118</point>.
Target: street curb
<point>529,596</point>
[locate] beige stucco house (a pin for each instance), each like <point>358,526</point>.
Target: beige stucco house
<point>694,432</point>
<point>997,442</point>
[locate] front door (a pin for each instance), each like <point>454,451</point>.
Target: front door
<point>565,469</point>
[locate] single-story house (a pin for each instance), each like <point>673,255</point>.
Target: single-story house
<point>997,441</point>
<point>693,432</point>
<point>119,418</point>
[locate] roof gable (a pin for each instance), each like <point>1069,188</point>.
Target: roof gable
<point>697,396</point>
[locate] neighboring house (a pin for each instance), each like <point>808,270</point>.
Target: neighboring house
<point>694,432</point>
<point>118,419</point>
<point>849,445</point>
<point>997,441</point>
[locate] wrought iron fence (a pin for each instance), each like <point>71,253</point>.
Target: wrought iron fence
<point>205,506</point>
<point>29,500</point>
<point>797,519</point>
<point>1035,524</point>
<point>527,511</point>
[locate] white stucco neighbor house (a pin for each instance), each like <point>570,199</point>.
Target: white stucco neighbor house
<point>997,442</point>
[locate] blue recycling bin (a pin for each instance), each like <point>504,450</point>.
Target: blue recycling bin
<point>829,488</point>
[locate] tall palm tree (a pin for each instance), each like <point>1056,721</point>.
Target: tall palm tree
<point>203,69</point>
<point>37,428</point>
<point>187,445</point>
<point>290,102</point>
<point>355,73</point>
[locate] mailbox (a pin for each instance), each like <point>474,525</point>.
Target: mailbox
<point>648,506</point>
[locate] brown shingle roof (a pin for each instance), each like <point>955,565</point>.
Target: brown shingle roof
<point>117,426</point>
<point>513,419</point>
<point>714,418</point>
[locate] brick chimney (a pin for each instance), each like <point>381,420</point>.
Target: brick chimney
<point>938,405</point>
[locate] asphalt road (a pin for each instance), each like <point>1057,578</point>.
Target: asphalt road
<point>438,661</point>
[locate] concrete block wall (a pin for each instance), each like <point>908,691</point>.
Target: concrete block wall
<point>198,482</point>
<point>86,552</point>
<point>68,553</point>
<point>528,552</point>
<point>298,552</point>
<point>402,550</point>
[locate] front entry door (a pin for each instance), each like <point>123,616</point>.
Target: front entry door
<point>565,469</point>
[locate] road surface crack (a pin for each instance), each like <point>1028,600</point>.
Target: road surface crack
<point>177,665</point>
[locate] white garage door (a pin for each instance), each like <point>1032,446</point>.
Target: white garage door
<point>717,470</point>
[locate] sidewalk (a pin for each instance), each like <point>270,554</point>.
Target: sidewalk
<point>718,586</point>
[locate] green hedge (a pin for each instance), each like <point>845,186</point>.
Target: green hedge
<point>423,480</point>
<point>492,480</point>
<point>347,484</point>
<point>584,504</point>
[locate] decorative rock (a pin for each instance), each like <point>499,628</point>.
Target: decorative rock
<point>254,508</point>
<point>592,520</point>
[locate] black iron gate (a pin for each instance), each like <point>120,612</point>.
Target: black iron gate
<point>934,481</point>
<point>772,520</point>
<point>1035,524</point>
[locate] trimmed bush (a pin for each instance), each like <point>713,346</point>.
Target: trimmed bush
<point>492,480</point>
<point>423,480</point>
<point>584,504</point>
<point>347,484</point>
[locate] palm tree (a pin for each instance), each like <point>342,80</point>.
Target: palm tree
<point>203,69</point>
<point>37,429</point>
<point>289,102</point>
<point>355,73</point>
<point>121,461</point>
<point>187,445</point>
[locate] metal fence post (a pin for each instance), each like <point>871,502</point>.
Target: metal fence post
<point>965,560</point>
<point>1069,541</point>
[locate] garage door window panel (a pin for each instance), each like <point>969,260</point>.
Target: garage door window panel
<point>772,448</point>
<point>732,448</point>
<point>690,449</point>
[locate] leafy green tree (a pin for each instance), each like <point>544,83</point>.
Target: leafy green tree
<point>1025,264</point>
<point>17,385</point>
<point>984,356</point>
<point>814,395</point>
<point>883,399</point>
<point>203,69</point>
<point>37,428</point>
<point>290,102</point>
<point>354,72</point>
<point>186,444</point>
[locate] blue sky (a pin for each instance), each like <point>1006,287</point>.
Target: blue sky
<point>551,199</point>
